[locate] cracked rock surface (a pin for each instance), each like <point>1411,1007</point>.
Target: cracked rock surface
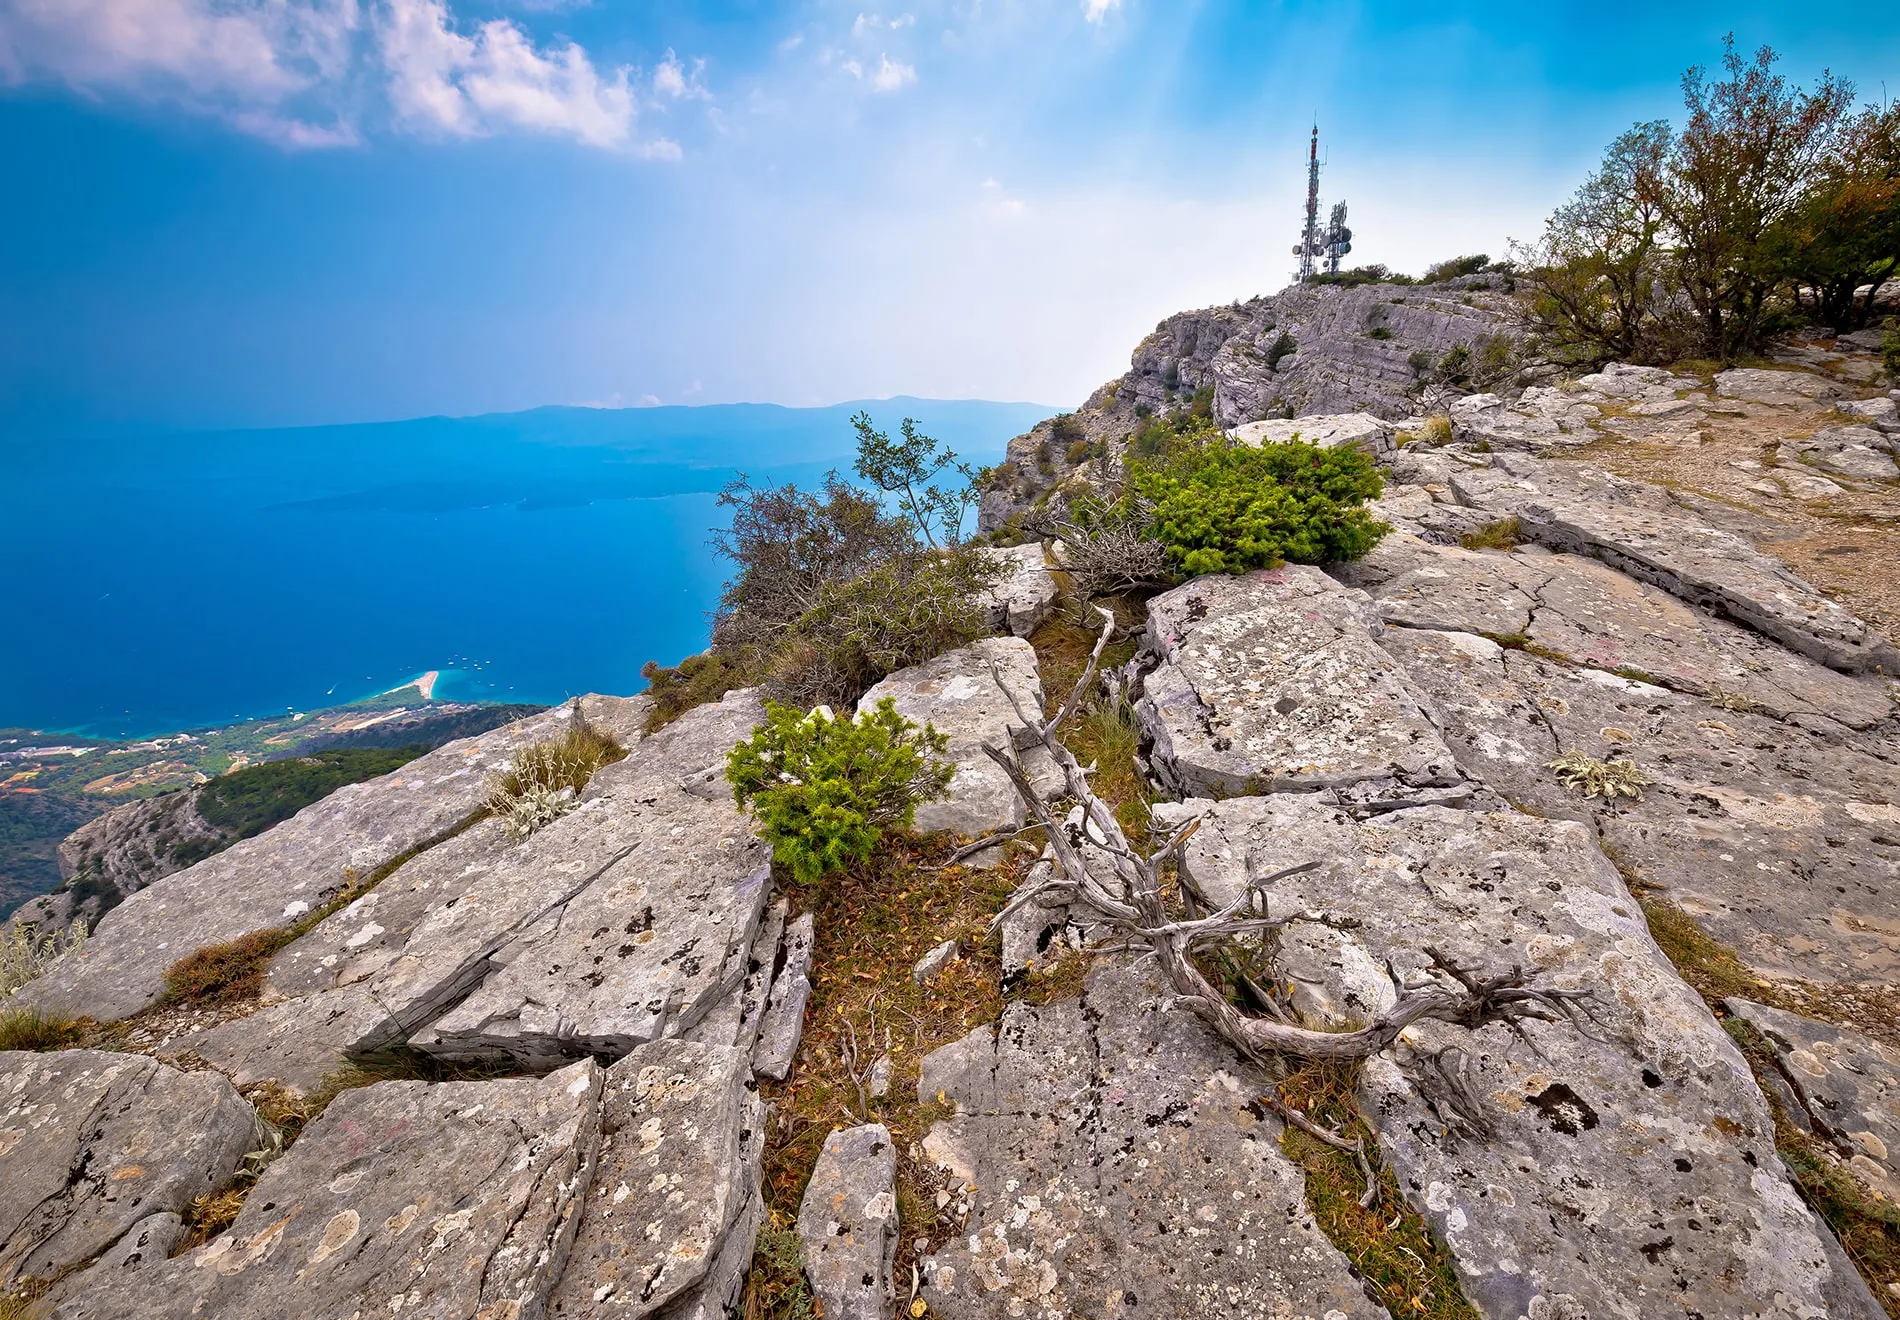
<point>847,1223</point>
<point>93,1143</point>
<point>1630,1162</point>
<point>1113,1164</point>
<point>1024,594</point>
<point>452,1199</point>
<point>1274,681</point>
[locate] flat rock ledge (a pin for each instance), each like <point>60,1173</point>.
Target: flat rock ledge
<point>1605,1169</point>
<point>1274,681</point>
<point>1107,1159</point>
<point>297,866</point>
<point>847,1224</point>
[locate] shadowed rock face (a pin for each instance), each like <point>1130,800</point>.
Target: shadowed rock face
<point>92,1143</point>
<point>1108,1162</point>
<point>285,872</point>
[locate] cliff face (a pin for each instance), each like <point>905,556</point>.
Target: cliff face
<point>1318,349</point>
<point>128,848</point>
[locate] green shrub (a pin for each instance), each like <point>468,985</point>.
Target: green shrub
<point>1280,348</point>
<point>890,616</point>
<point>1080,452</point>
<point>1890,348</point>
<point>1379,332</point>
<point>1451,270</point>
<point>825,790</point>
<point>1222,507</point>
<point>545,779</point>
<point>695,681</point>
<point>1067,428</point>
<point>249,801</point>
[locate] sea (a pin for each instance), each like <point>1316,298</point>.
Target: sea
<point>161,582</point>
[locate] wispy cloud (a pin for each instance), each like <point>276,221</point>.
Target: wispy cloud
<point>1097,10</point>
<point>891,75</point>
<point>304,74</point>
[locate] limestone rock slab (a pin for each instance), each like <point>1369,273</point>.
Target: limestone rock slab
<point>1849,1092</point>
<point>678,1159</point>
<point>1779,838</point>
<point>1582,609</point>
<point>1542,418</point>
<point>279,875</point>
<point>93,1143</point>
<point>452,1199</point>
<point>1112,1165</point>
<point>1274,681</point>
<point>1643,534</point>
<point>1024,594</point>
<point>958,694</point>
<point>1629,1168</point>
<point>783,1021</point>
<point>1360,430</point>
<point>1849,451</point>
<point>847,1223</point>
<point>1783,389</point>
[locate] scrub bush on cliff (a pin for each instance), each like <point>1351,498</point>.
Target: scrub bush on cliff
<point>1224,507</point>
<point>826,789</point>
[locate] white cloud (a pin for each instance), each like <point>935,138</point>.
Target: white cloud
<point>242,60</point>
<point>891,75</point>
<point>868,23</point>
<point>672,79</point>
<point>442,80</point>
<point>853,68</point>
<point>295,72</point>
<point>1096,10</point>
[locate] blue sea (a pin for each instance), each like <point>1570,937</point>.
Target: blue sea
<point>166,582</point>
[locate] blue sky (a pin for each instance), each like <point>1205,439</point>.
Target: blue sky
<point>281,212</point>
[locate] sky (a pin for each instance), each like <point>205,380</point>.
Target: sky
<point>241,213</point>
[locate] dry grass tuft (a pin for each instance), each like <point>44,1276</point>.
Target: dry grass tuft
<point>1504,534</point>
<point>30,1029</point>
<point>873,923</point>
<point>1390,1245</point>
<point>225,973</point>
<point>25,953</point>
<point>545,780</point>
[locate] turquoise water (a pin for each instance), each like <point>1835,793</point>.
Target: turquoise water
<point>162,583</point>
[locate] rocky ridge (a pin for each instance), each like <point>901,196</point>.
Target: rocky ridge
<point>632,989</point>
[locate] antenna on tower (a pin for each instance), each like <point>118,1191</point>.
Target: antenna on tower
<point>1316,246</point>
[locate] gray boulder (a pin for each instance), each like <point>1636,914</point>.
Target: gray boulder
<point>678,1164</point>
<point>1106,1158</point>
<point>1783,389</point>
<point>1841,1086</point>
<point>1024,595</point>
<point>655,940</point>
<point>1273,681</point>
<point>1585,1170</point>
<point>1850,451</point>
<point>94,1143</point>
<point>457,1199</point>
<point>1880,412</point>
<point>1542,418</point>
<point>276,877</point>
<point>959,695</point>
<point>847,1224</point>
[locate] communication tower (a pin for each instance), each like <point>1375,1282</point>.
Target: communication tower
<point>1316,246</point>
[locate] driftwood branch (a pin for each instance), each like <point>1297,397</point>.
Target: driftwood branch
<point>1097,866</point>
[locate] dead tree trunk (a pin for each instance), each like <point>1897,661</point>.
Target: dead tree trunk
<point>1127,893</point>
